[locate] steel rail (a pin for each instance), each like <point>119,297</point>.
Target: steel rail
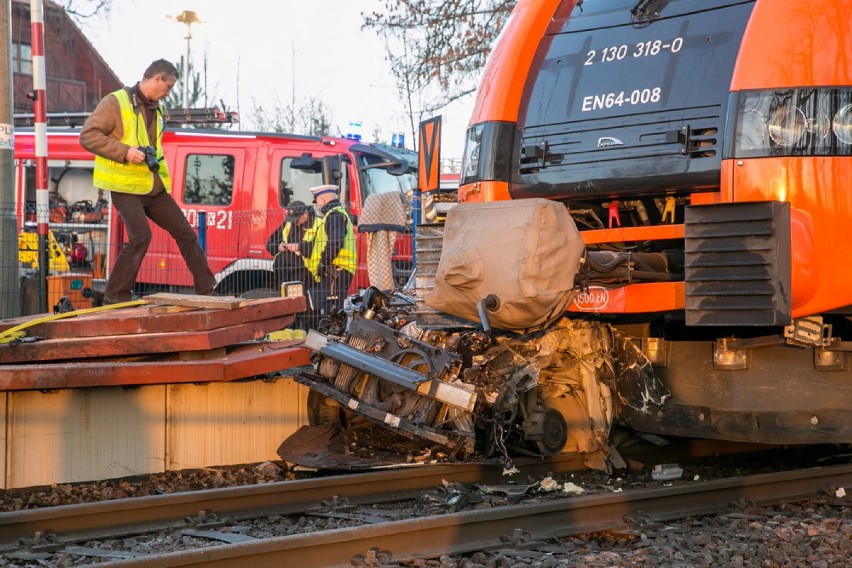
<point>469,531</point>
<point>104,519</point>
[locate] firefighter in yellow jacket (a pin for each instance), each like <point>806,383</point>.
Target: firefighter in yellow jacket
<point>125,134</point>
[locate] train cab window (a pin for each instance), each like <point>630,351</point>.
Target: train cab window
<point>209,179</point>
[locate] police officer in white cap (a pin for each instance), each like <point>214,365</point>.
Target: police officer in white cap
<point>333,259</point>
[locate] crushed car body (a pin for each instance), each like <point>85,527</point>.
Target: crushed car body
<point>503,373</point>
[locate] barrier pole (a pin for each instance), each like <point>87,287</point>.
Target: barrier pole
<point>39,96</point>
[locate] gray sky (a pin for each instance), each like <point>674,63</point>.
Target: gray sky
<point>256,49</point>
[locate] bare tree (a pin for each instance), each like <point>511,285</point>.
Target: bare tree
<point>413,87</point>
<point>437,48</point>
<point>264,118</point>
<point>84,9</point>
<point>199,93</point>
<point>449,39</point>
<point>315,117</point>
<point>195,93</point>
<point>311,117</point>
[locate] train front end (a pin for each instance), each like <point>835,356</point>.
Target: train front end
<point>704,152</point>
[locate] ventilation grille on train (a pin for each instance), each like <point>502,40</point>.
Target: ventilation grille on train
<point>738,264</point>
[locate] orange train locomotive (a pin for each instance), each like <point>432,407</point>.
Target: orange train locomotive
<point>651,232</point>
<point>712,142</point>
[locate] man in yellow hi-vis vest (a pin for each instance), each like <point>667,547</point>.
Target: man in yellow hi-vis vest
<point>125,133</point>
<point>332,260</point>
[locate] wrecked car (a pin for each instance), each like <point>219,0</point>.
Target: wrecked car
<point>482,362</point>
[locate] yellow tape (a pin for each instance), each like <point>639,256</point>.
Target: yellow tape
<point>18,333</point>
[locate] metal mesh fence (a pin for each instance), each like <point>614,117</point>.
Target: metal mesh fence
<point>69,266</point>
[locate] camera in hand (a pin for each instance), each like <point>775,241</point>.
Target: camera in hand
<point>151,158</point>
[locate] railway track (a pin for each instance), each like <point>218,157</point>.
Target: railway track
<point>220,527</point>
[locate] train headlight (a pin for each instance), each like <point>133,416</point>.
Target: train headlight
<point>818,125</point>
<point>793,122</point>
<point>752,130</point>
<point>787,125</point>
<point>842,124</point>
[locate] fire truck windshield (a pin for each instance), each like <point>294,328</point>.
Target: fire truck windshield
<point>379,180</point>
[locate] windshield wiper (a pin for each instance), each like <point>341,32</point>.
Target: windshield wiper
<point>646,11</point>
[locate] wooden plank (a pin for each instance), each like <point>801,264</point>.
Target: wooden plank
<point>139,343</point>
<point>144,319</point>
<point>239,363</point>
<point>194,301</point>
<point>168,309</point>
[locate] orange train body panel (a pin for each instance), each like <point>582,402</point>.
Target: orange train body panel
<point>663,296</point>
<point>820,220</point>
<point>789,43</point>
<point>484,191</point>
<point>623,234</point>
<point>786,44</point>
<point>508,65</point>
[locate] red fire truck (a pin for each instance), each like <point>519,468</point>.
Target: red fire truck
<point>233,186</point>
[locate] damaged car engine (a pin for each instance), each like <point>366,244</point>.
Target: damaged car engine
<point>505,374</point>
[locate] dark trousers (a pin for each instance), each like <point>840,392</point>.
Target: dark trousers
<point>329,293</point>
<point>135,210</point>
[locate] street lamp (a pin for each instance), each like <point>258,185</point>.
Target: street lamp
<point>187,17</point>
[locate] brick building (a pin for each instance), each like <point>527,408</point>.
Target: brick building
<point>77,76</point>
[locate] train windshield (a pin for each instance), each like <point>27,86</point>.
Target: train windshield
<point>623,92</point>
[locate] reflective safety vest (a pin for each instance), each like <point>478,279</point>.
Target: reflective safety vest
<point>285,232</point>
<point>345,258</point>
<point>127,177</point>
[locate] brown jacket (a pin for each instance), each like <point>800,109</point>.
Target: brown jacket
<point>101,134</point>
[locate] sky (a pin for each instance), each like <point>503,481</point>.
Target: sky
<point>256,50</point>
